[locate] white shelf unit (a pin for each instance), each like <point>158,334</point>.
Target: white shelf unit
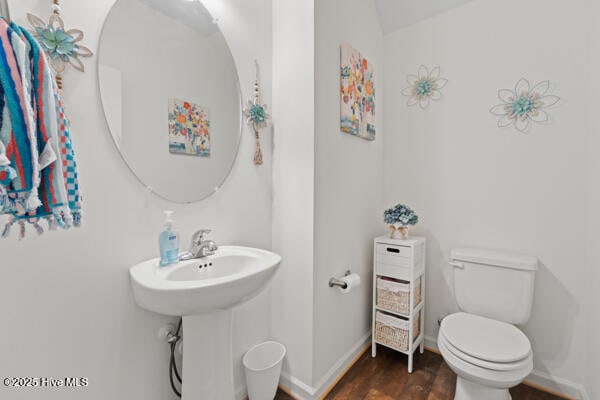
<point>402,260</point>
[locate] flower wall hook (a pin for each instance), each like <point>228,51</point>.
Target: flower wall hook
<point>257,117</point>
<point>62,46</point>
<point>524,105</point>
<point>424,87</point>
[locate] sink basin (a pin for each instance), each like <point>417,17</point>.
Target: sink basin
<point>231,276</point>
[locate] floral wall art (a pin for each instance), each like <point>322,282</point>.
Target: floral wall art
<point>189,125</point>
<point>62,46</point>
<point>525,105</point>
<point>357,91</point>
<point>424,87</point>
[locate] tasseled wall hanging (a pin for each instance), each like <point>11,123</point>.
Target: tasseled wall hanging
<point>62,47</point>
<point>257,117</point>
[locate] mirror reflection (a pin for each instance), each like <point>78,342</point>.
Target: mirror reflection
<point>171,95</point>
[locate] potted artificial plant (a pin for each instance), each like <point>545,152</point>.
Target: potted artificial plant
<point>400,217</point>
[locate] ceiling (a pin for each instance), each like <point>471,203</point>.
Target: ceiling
<point>396,14</point>
<point>190,13</point>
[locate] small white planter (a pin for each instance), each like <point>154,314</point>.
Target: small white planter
<point>399,231</point>
<point>263,367</point>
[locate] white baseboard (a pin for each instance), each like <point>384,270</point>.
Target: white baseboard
<point>302,391</point>
<point>296,388</point>
<point>557,385</point>
<point>539,379</point>
<point>340,367</point>
<point>431,343</point>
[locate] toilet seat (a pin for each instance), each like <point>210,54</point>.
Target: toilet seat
<point>512,366</point>
<point>490,378</point>
<point>485,342</point>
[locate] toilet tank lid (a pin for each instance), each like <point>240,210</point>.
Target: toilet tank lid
<point>498,258</point>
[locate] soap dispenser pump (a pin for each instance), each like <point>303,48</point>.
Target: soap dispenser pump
<point>168,241</point>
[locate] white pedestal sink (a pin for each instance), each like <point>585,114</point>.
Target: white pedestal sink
<point>203,291</point>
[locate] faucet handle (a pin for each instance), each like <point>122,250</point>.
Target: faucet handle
<point>198,236</point>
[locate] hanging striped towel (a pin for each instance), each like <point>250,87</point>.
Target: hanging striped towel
<point>21,150</point>
<point>44,183</point>
<point>52,190</point>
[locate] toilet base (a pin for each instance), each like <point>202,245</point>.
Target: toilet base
<point>467,390</point>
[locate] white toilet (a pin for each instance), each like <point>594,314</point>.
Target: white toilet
<point>494,291</point>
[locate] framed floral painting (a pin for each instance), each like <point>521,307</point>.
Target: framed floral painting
<point>189,128</point>
<point>357,94</point>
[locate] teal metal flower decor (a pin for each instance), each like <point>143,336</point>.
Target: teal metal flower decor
<point>424,87</point>
<point>257,118</point>
<point>56,42</point>
<point>63,47</point>
<point>257,114</point>
<point>524,105</point>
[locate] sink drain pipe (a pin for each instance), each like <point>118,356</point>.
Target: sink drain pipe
<point>173,339</point>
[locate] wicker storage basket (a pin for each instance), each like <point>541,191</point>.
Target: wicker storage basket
<point>394,296</point>
<point>393,332</point>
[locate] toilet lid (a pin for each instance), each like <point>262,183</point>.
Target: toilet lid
<point>485,338</point>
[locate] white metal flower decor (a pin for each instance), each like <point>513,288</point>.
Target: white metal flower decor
<point>424,87</point>
<point>257,117</point>
<point>524,105</point>
<point>62,46</point>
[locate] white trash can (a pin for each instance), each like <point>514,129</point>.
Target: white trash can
<point>263,368</point>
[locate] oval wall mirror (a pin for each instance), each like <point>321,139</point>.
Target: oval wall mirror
<point>171,96</point>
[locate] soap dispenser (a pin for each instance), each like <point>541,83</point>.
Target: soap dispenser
<point>168,241</point>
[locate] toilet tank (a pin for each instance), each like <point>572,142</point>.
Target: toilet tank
<point>494,284</point>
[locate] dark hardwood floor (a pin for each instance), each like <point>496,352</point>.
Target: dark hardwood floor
<point>386,377</point>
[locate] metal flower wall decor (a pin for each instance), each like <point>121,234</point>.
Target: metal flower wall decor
<point>424,87</point>
<point>524,105</point>
<point>62,46</point>
<point>257,117</point>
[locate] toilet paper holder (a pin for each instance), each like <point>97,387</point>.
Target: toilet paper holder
<point>336,282</point>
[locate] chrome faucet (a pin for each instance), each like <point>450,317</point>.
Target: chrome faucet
<point>200,248</point>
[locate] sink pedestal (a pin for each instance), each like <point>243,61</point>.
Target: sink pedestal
<point>207,356</point>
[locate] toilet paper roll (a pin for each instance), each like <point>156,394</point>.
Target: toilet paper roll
<point>352,281</point>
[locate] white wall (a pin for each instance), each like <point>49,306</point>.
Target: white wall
<point>293,182</point>
<point>327,189</point>
<point>474,184</point>
<point>592,382</point>
<point>348,184</point>
<point>66,305</point>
